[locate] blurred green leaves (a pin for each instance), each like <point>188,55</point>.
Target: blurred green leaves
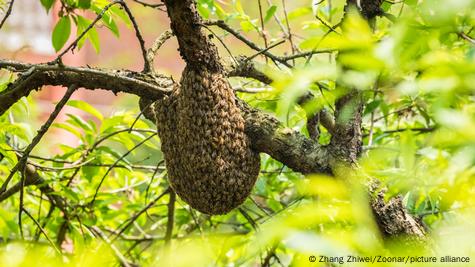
<point>417,79</point>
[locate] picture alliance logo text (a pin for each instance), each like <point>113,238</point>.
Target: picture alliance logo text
<point>387,259</point>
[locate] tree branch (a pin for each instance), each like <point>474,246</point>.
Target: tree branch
<point>195,47</point>
<point>7,14</point>
<point>170,217</point>
<point>152,51</point>
<point>143,85</point>
<point>290,147</point>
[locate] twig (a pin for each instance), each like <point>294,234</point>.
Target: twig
<point>249,218</point>
<point>281,59</point>
<point>252,90</point>
<point>221,41</point>
<point>171,217</point>
<point>266,49</point>
<point>58,59</point>
<point>269,256</point>
<point>63,229</point>
<point>7,14</point>
<point>466,37</point>
<point>249,43</point>
<point>330,28</point>
<point>21,164</point>
<point>53,169</point>
<point>309,53</point>
<point>420,130</point>
<point>41,132</point>
<point>281,26</point>
<point>97,142</point>
<point>289,31</point>
<point>262,23</point>
<point>137,215</point>
<point>46,219</point>
<point>157,44</point>
<point>139,239</point>
<point>396,112</point>
<point>104,138</point>
<point>33,178</point>
<point>147,67</point>
<point>103,236</point>
<point>114,164</point>
<point>138,116</point>
<point>42,230</point>
<point>246,68</point>
<point>74,165</point>
<point>151,179</point>
<point>157,6</point>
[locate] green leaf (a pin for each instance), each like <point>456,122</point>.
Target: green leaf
<point>385,110</point>
<point>270,12</point>
<point>67,128</point>
<point>238,7</point>
<point>116,155</point>
<point>94,39</point>
<point>85,4</point>
<point>61,33</point>
<point>220,11</point>
<point>299,12</point>
<point>110,24</point>
<point>79,122</point>
<point>81,24</point>
<point>8,154</point>
<point>89,172</point>
<point>121,14</point>
<point>84,106</point>
<point>386,6</point>
<point>47,4</point>
<point>91,35</point>
<point>372,106</point>
<point>247,26</point>
<point>70,194</point>
<point>203,11</point>
<point>424,114</point>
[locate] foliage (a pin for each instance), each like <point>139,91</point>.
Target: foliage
<point>417,75</point>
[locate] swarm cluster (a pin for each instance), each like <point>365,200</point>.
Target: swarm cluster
<point>209,160</point>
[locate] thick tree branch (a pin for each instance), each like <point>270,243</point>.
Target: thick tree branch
<point>290,147</point>
<point>33,76</point>
<point>346,141</point>
<point>195,47</point>
<point>246,68</point>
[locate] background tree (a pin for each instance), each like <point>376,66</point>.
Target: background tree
<point>364,120</point>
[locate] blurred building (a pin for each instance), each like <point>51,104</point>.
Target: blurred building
<point>26,37</point>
